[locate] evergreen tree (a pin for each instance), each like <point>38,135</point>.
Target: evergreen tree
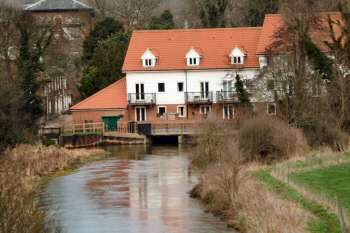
<point>102,31</point>
<point>106,64</point>
<point>32,44</point>
<point>242,93</point>
<point>257,9</point>
<point>164,21</point>
<point>212,13</point>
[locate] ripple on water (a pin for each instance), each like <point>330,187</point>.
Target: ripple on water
<point>127,195</point>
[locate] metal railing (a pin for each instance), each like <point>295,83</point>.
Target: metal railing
<point>142,98</point>
<point>226,96</point>
<point>199,97</point>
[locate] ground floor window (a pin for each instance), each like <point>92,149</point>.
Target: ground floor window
<point>161,111</point>
<point>228,112</point>
<point>140,114</point>
<point>181,111</point>
<point>271,109</point>
<point>205,109</point>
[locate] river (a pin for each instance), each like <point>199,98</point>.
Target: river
<point>137,190</point>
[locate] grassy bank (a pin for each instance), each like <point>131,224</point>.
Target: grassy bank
<point>22,170</point>
<point>265,178</point>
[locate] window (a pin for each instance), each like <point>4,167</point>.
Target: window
<point>205,109</point>
<point>237,60</point>
<point>149,60</point>
<point>193,61</point>
<point>181,111</point>
<point>148,63</point>
<point>271,109</point>
<point>161,87</point>
<point>161,111</point>
<point>228,112</point>
<point>180,87</point>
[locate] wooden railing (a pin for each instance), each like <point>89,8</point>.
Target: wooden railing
<point>174,128</point>
<point>83,128</point>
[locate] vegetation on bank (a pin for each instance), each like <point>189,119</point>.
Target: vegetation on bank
<point>22,170</point>
<point>248,172</point>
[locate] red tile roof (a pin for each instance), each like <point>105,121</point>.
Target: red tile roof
<point>111,97</point>
<point>215,46</point>
<point>274,22</point>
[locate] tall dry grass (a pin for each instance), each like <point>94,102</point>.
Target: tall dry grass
<point>226,186</point>
<point>252,207</point>
<point>20,171</point>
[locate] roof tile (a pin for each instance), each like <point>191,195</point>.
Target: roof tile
<point>111,97</point>
<point>215,46</point>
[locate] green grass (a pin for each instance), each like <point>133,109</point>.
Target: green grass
<point>323,220</point>
<point>333,182</point>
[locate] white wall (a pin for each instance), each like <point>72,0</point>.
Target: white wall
<point>191,80</point>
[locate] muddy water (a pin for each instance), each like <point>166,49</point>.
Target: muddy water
<point>138,190</point>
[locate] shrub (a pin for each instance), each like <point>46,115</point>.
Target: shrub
<point>266,139</point>
<point>216,142</point>
<point>321,133</point>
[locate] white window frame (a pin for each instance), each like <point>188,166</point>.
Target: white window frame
<point>178,111</point>
<point>204,106</point>
<point>237,60</point>
<point>165,113</point>
<point>136,114</point>
<point>268,108</point>
<point>223,112</point>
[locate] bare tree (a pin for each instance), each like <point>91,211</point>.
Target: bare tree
<point>133,13</point>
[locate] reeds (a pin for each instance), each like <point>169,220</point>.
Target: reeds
<point>20,171</point>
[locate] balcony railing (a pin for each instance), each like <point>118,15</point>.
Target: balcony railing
<point>199,97</point>
<point>142,98</point>
<point>226,97</point>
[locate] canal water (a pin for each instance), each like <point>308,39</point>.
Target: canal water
<point>138,190</point>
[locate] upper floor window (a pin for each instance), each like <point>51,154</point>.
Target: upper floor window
<point>193,57</point>
<point>149,60</point>
<point>237,56</point>
<point>161,87</point>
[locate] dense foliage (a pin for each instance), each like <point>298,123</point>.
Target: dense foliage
<point>102,31</point>
<point>164,21</point>
<point>106,64</point>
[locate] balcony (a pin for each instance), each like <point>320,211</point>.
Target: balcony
<point>199,97</point>
<point>142,98</point>
<point>226,97</point>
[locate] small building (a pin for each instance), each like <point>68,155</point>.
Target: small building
<point>108,105</point>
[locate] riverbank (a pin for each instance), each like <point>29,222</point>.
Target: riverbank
<point>301,194</point>
<point>22,170</point>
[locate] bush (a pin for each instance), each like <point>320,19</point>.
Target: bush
<point>216,142</point>
<point>321,133</point>
<point>266,139</point>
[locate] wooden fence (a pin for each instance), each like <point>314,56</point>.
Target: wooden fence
<point>85,128</point>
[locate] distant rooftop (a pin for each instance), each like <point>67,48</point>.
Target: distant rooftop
<point>57,5</point>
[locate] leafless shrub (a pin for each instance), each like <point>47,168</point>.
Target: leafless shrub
<point>215,142</point>
<point>266,139</point>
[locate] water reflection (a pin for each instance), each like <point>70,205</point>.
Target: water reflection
<point>140,190</point>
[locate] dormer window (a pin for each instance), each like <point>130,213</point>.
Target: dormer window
<point>237,56</point>
<point>193,57</point>
<point>149,60</point>
<point>148,63</point>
